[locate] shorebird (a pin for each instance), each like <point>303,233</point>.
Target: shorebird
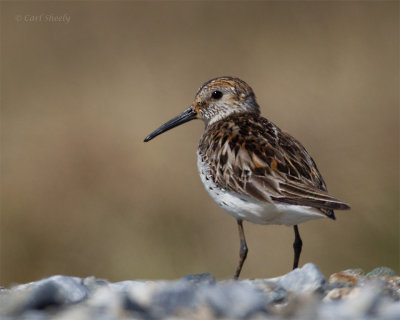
<point>252,169</point>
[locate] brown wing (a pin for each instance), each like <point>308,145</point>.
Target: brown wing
<point>256,159</point>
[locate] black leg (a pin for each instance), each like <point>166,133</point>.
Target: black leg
<point>243,250</point>
<point>297,244</point>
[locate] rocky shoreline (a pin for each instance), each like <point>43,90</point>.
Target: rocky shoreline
<point>303,293</point>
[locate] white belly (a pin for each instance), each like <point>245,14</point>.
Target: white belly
<point>245,208</point>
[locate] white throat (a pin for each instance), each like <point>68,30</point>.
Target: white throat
<point>221,114</point>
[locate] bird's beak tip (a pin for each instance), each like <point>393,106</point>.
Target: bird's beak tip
<point>187,115</point>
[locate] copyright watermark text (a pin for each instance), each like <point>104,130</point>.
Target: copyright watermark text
<point>43,18</point>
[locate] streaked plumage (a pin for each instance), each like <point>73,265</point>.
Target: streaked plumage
<point>249,156</point>
<point>252,169</point>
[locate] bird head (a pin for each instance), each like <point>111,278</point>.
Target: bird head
<point>214,101</point>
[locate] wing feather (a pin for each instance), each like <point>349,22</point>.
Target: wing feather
<point>256,159</point>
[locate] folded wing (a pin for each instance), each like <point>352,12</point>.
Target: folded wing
<point>266,164</point>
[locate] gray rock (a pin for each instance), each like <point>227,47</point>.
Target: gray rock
<point>93,283</point>
<point>235,300</point>
<point>57,290</point>
<point>302,280</point>
<point>53,292</point>
<point>202,278</point>
<point>359,304</point>
<point>274,293</point>
<point>127,285</point>
<point>381,272</point>
<point>300,294</point>
<point>174,296</point>
<point>390,311</point>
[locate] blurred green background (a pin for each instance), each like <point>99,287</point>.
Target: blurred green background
<point>83,195</point>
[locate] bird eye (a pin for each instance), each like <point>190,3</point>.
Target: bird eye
<point>217,95</point>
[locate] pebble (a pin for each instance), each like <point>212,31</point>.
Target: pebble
<point>300,294</point>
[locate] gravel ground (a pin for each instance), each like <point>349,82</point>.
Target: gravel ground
<point>303,293</point>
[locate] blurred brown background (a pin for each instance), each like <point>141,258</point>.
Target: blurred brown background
<point>83,195</point>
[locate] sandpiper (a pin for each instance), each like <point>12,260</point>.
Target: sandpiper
<point>253,170</point>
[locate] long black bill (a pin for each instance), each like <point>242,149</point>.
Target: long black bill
<point>185,116</point>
